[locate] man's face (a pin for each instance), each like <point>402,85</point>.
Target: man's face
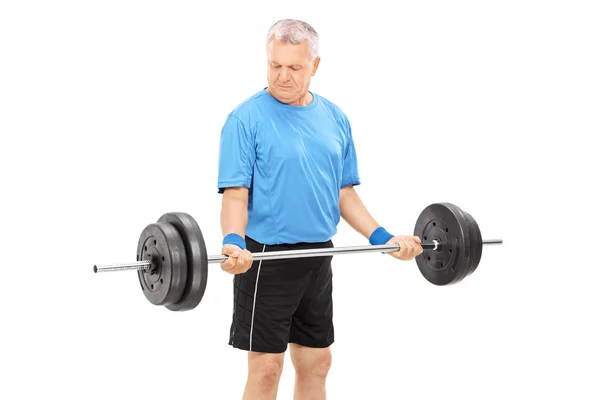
<point>289,70</point>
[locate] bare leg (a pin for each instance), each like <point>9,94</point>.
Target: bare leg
<point>312,366</point>
<point>264,371</point>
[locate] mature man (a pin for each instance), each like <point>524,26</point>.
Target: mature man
<point>287,171</point>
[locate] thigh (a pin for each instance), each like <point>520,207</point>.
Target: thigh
<point>265,362</point>
<point>312,323</point>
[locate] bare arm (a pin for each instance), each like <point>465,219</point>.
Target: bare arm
<point>358,217</point>
<point>354,212</point>
<point>234,211</point>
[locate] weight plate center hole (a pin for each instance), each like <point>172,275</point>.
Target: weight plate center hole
<point>440,258</point>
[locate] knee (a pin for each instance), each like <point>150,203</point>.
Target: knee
<point>267,375</point>
<point>317,367</point>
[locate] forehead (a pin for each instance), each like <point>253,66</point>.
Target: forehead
<point>287,53</point>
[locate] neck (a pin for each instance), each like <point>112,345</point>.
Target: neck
<point>303,100</point>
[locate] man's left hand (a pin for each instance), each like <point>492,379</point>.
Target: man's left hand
<point>410,247</point>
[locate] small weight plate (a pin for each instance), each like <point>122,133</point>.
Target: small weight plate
<point>197,259</point>
<point>445,223</point>
<point>476,243</point>
<point>161,243</point>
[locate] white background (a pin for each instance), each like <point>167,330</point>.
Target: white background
<point>110,115</point>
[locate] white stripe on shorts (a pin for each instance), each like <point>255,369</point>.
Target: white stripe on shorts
<point>254,301</point>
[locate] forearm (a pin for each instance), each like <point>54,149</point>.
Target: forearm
<point>354,212</point>
<point>234,211</point>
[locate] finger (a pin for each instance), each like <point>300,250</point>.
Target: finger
<point>248,256</point>
<point>226,266</point>
<point>247,265</point>
<point>250,260</point>
<point>420,250</point>
<point>403,249</point>
<point>243,262</point>
<point>397,252</point>
<point>229,264</point>
<point>241,258</point>
<point>417,250</point>
<point>414,247</point>
<point>410,249</point>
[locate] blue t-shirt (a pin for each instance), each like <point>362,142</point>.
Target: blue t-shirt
<point>294,160</point>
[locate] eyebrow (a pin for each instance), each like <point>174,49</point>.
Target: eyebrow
<point>293,65</point>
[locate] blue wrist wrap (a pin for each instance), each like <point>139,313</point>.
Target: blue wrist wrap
<point>234,238</point>
<point>380,236</point>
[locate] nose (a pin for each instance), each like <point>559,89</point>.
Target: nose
<point>284,75</point>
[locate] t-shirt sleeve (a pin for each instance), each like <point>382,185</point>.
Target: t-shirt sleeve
<point>350,176</point>
<point>236,155</point>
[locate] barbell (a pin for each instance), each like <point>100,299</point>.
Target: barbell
<point>172,262</point>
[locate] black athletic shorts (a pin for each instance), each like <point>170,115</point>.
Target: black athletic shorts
<point>277,302</point>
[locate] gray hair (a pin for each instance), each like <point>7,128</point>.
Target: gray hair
<point>295,31</point>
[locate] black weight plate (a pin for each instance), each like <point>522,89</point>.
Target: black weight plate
<point>469,227</point>
<point>197,259</point>
<point>161,243</point>
<point>467,248</point>
<point>476,243</point>
<point>449,263</point>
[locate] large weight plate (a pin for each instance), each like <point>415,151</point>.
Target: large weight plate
<point>446,223</point>
<point>476,243</point>
<point>161,243</point>
<point>467,248</point>
<point>197,259</point>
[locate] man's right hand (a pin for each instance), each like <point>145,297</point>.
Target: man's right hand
<point>238,262</point>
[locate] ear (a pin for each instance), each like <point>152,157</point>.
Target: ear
<point>316,62</point>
